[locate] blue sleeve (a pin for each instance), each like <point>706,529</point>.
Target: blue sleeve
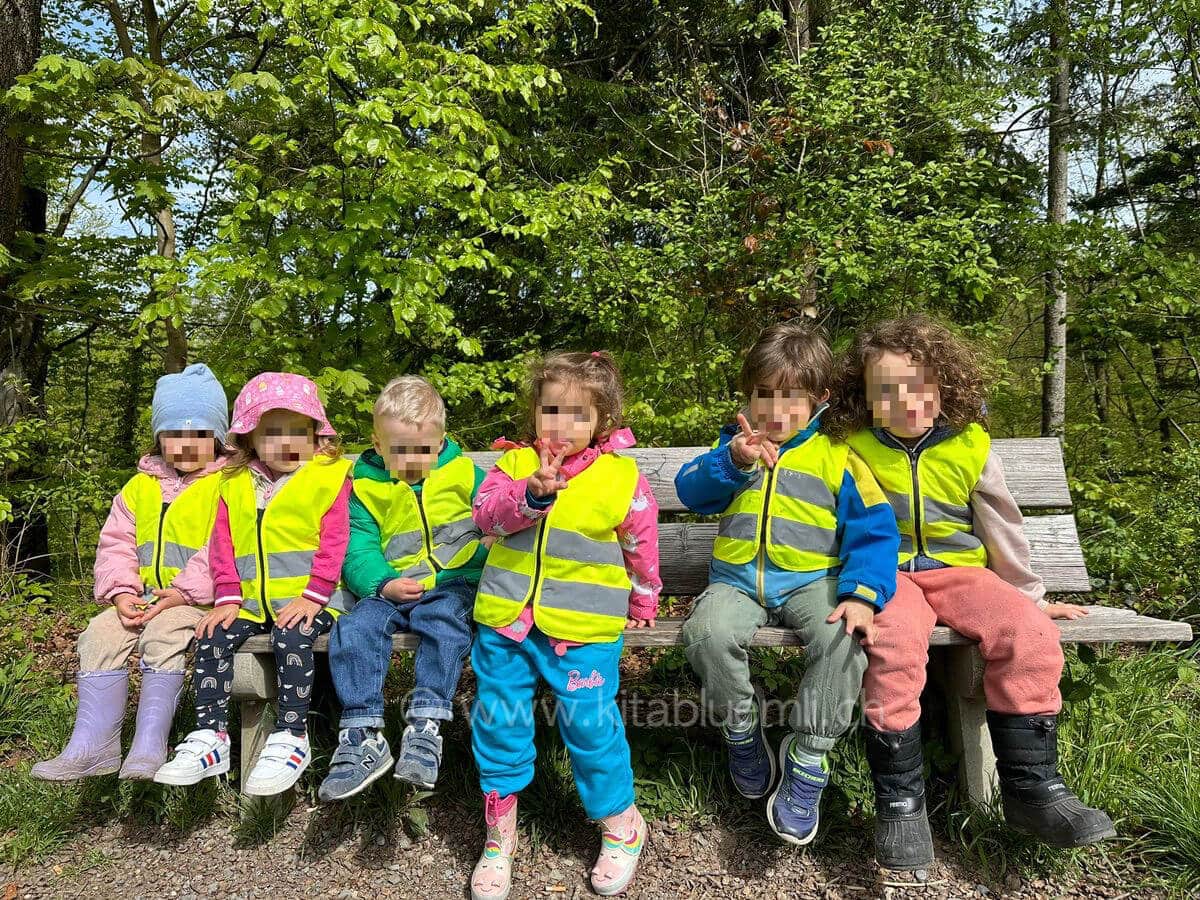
<point>869,540</point>
<point>708,482</point>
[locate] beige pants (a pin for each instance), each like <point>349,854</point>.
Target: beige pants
<point>106,643</point>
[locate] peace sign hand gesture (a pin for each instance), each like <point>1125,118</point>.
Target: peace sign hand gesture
<point>548,479</point>
<point>749,446</point>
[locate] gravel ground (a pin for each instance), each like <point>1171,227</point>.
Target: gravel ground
<point>306,859</point>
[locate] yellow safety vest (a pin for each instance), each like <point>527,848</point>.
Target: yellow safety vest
<point>790,511</point>
<point>570,564</point>
<point>930,493</point>
<point>169,534</point>
<point>422,533</point>
<point>274,547</point>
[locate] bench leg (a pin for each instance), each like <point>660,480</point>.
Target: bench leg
<point>967,714</point>
<point>257,723</point>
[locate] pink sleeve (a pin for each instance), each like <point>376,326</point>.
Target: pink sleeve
<point>638,535</point>
<point>331,548</point>
<point>116,568</point>
<point>500,506</point>
<point>227,587</point>
<point>195,580</point>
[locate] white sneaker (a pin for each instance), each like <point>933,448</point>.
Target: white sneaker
<point>280,765</point>
<point>202,754</point>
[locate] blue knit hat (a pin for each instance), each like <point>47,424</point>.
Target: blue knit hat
<point>192,400</point>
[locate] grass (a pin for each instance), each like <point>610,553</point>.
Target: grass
<point>1130,740</point>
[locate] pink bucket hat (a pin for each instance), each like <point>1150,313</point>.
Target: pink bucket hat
<point>278,390</point>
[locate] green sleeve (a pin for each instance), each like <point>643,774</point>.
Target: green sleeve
<point>365,567</point>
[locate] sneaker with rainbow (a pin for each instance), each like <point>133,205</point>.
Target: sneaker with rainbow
<point>624,836</point>
<point>280,765</point>
<point>204,753</point>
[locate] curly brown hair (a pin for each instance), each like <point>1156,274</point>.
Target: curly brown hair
<point>955,363</point>
<point>596,372</point>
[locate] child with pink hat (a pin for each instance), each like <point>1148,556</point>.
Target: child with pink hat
<point>281,530</point>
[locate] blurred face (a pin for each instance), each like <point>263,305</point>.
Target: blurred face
<point>187,451</point>
<point>284,440</point>
<point>566,416</point>
<point>903,395</point>
<point>780,412</point>
<point>409,451</point>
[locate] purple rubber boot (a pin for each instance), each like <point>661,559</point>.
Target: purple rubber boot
<point>95,745</point>
<point>156,711</point>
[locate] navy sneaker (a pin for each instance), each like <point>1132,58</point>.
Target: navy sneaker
<point>751,762</point>
<point>361,758</point>
<point>794,808</point>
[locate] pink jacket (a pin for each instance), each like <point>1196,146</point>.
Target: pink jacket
<point>116,568</point>
<point>500,509</point>
<point>327,562</point>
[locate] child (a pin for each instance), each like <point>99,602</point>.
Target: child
<point>577,552</point>
<point>152,568</point>
<point>277,548</point>
<point>913,404</point>
<point>415,558</point>
<point>806,540</point>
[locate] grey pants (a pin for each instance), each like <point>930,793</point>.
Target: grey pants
<point>719,630</point>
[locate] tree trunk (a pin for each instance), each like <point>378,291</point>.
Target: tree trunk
<point>799,27</point>
<point>1054,383</point>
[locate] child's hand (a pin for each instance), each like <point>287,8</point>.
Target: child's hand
<point>859,617</point>
<point>127,610</point>
<point>488,539</point>
<point>748,447</point>
<point>167,598</point>
<point>548,479</point>
<point>639,623</point>
<point>1064,611</point>
<point>299,610</point>
<point>220,617</point>
<point>402,590</point>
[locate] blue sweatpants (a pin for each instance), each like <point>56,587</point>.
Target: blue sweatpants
<point>584,681</point>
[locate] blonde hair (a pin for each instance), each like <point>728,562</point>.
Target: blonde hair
<point>595,372</point>
<point>791,354</point>
<point>412,400</point>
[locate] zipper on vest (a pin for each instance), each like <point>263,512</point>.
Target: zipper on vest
<point>762,536</point>
<point>426,533</point>
<point>158,546</point>
<point>262,568</point>
<point>914,454</point>
<point>537,557</point>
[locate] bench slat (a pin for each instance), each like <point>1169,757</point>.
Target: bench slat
<point>1103,625</point>
<point>1033,468</point>
<point>685,551</point>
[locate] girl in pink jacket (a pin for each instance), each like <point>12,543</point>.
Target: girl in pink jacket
<point>152,573</point>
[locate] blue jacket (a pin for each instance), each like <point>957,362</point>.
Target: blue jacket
<point>868,539</point>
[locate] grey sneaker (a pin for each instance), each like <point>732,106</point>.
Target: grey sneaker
<point>420,755</point>
<point>361,758</point>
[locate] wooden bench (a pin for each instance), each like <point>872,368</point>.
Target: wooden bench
<point>1037,479</point>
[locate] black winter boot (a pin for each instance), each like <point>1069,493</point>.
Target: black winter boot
<point>902,838</point>
<point>1036,800</point>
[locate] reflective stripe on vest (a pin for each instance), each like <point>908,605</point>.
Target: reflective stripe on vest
<point>569,565</point>
<point>169,535</point>
<point>943,476</point>
<point>423,532</point>
<point>799,499</point>
<point>274,548</point>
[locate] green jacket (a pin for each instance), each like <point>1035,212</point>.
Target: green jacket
<point>365,570</point>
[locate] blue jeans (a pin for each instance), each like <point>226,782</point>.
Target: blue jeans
<point>360,652</point>
<point>584,682</point>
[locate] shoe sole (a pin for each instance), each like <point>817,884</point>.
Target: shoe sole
<point>220,768</point>
<point>280,784</point>
<point>95,772</point>
<point>424,785</point>
<point>364,784</point>
<point>783,835</point>
<point>1094,837</point>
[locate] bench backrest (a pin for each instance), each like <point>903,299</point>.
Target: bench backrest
<point>1033,468</point>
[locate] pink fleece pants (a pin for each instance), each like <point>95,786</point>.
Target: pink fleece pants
<point>1018,641</point>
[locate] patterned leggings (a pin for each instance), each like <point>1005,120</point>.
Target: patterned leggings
<point>293,660</point>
